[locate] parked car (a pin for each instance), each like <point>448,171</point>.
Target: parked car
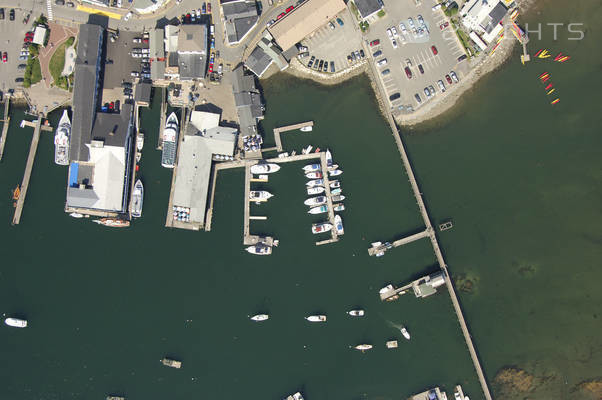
<point>5,57</point>
<point>1,13</point>
<point>385,72</point>
<point>390,33</point>
<point>375,42</point>
<point>434,50</point>
<point>128,16</point>
<point>408,62</point>
<point>441,85</point>
<point>402,28</point>
<point>332,66</point>
<point>454,77</point>
<point>427,92</point>
<point>417,97</point>
<point>362,54</point>
<point>289,9</point>
<point>280,16</point>
<point>19,80</point>
<point>357,54</point>
<point>29,34</point>
<point>22,57</point>
<point>70,4</point>
<point>303,55</point>
<point>331,25</point>
<point>377,53</point>
<point>421,68</point>
<point>325,69</point>
<point>311,61</point>
<point>394,43</point>
<point>11,14</point>
<point>394,31</point>
<point>28,39</point>
<point>444,25</point>
<point>432,90</point>
<point>420,19</point>
<point>59,2</point>
<point>394,96</point>
<point>135,74</point>
<point>137,40</point>
<point>21,66</point>
<point>408,72</point>
<point>348,59</point>
<point>320,65</point>
<point>462,57</point>
<point>448,79</point>
<point>340,22</point>
<point>208,8</point>
<point>382,62</point>
<point>126,84</point>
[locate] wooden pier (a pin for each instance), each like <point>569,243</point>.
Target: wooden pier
<point>5,124</point>
<point>287,128</point>
<point>374,250</point>
<point>163,119</point>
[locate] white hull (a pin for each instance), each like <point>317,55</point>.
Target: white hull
<point>318,210</point>
<point>338,207</point>
<point>137,199</point>
<point>61,140</point>
<point>336,191</point>
<point>76,215</point>
<point>140,141</point>
<point>314,175</point>
<point>363,347</point>
<point>170,141</point>
<point>307,150</point>
<point>356,313</point>
<point>312,167</point>
<point>315,182</point>
<point>386,289</point>
<point>259,250</point>
<point>338,197</point>
<point>333,167</point>
<point>306,129</point>
<point>316,318</point>
<point>405,333</point>
<point>265,168</point>
<point>260,317</point>
<point>16,322</point>
<point>328,158</point>
<point>335,184</point>
<point>315,190</point>
<point>335,172</point>
<point>260,195</point>
<point>315,201</point>
<point>321,228</point>
<point>338,224</point>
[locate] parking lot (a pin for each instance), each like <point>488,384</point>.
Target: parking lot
<point>12,34</point>
<point>333,45</point>
<point>414,40</point>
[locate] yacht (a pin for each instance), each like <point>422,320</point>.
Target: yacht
<point>338,207</point>
<point>336,191</point>
<point>363,347</point>
<point>338,197</point>
<point>318,210</point>
<point>333,166</point>
<point>260,317</point>
<point>315,182</point>
<point>259,195</point>
<point>386,289</point>
<point>260,249</point>
<point>314,175</point>
<point>315,201</point>
<point>405,333</point>
<point>171,363</point>
<point>315,190</point>
<point>335,184</point>
<point>283,155</point>
<point>322,227</point>
<point>16,322</point>
<point>61,140</point>
<point>316,318</point>
<point>306,129</point>
<point>328,158</point>
<point>335,172</point>
<point>338,223</point>
<point>139,141</point>
<point>113,222</point>
<point>312,167</point>
<point>170,141</point>
<point>137,199</point>
<point>356,313</point>
<point>264,168</point>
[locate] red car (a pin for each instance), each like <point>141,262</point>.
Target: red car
<point>210,68</point>
<point>448,79</point>
<point>280,16</point>
<point>208,8</point>
<point>375,42</point>
<point>28,39</point>
<point>289,9</point>
<point>408,72</point>
<point>112,105</point>
<point>444,25</point>
<point>5,57</point>
<point>29,34</point>
<point>434,50</point>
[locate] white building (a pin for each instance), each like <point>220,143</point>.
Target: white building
<point>483,17</point>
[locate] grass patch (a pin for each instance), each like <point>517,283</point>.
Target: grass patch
<point>355,11</point>
<point>57,62</point>
<point>36,72</point>
<point>70,41</point>
<point>464,39</point>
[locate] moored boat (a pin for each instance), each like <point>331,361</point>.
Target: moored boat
<point>171,363</point>
<point>356,313</point>
<point>328,158</point>
<point>318,210</point>
<point>314,175</point>
<point>338,207</point>
<point>139,141</point>
<point>336,191</point>
<point>61,140</point>
<point>170,141</point>
<point>16,322</point>
<point>338,224</point>
<point>333,167</point>
<point>137,199</point>
<point>315,201</point>
<point>405,333</point>
<point>386,289</point>
<point>335,184</point>
<point>316,318</point>
<point>315,190</point>
<point>260,317</point>
<point>113,222</point>
<point>312,167</point>
<point>315,182</point>
<point>307,128</point>
<point>260,249</point>
<point>391,344</point>
<point>335,172</point>
<point>265,168</point>
<point>76,215</point>
<point>363,347</point>
<point>321,227</point>
<point>338,197</point>
<point>260,195</point>
<point>307,150</point>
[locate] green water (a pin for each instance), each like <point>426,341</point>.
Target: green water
<point>519,178</point>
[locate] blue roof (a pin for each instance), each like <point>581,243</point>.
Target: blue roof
<point>73,172</point>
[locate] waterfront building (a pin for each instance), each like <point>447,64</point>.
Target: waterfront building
<point>368,9</point>
<point>157,54</point>
<point>484,19</point>
<point>264,54</point>
<point>428,285</point>
<point>240,18</point>
<point>247,98</point>
<point>192,52</point>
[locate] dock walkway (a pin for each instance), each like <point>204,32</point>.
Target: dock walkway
<point>28,168</point>
<point>287,128</point>
<point>5,124</point>
<point>400,242</point>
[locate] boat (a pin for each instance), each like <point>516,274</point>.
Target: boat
<point>283,155</point>
<point>138,156</point>
<point>259,195</point>
<point>391,298</point>
<point>264,168</point>
<point>113,222</point>
<point>171,363</point>
<point>363,347</point>
<point>386,289</point>
<point>260,317</point>
<point>333,167</point>
<point>322,227</point>
<point>315,182</point>
<point>338,223</point>
<point>338,207</point>
<point>297,396</point>
<point>170,141</point>
<point>312,167</point>
<point>316,318</point>
<point>16,322</point>
<point>307,149</point>
<point>315,201</point>
<point>76,215</point>
<point>328,158</point>
<point>137,199</point>
<point>335,172</point>
<point>338,197</point>
<point>356,313</point>
<point>314,175</point>
<point>260,249</point>
<point>318,210</point>
<point>315,190</point>
<point>391,344</point>
<point>335,184</point>
<point>405,333</point>
<point>61,140</point>
<point>140,141</point>
<point>115,398</point>
<point>16,192</point>
<point>336,191</point>
<point>308,128</point>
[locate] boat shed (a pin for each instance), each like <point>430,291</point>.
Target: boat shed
<point>142,95</point>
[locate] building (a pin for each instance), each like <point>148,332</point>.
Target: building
<point>264,54</point>
<point>368,8</point>
<point>247,99</point>
<point>39,35</point>
<point>240,18</point>
<point>142,95</point>
<point>484,17</point>
<point>192,51</point>
<point>427,285</point>
<point>303,20</point>
<point>157,54</point>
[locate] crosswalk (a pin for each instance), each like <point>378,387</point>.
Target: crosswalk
<point>49,8</point>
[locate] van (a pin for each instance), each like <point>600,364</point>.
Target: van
<point>212,30</point>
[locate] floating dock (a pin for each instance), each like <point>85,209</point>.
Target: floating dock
<point>428,395</point>
<point>383,247</point>
<point>422,287</point>
<point>5,124</point>
<point>287,128</point>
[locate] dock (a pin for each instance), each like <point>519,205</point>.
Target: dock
<point>248,239</point>
<point>287,128</point>
<point>334,237</point>
<point>422,287</point>
<point>5,124</point>
<point>163,119</point>
<point>383,247</point>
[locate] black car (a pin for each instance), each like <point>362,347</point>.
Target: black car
<point>127,91</point>
<point>394,96</point>
<point>320,65</point>
<point>1,13</point>
<point>127,85</point>
<point>417,97</point>
<point>11,14</point>
<point>377,53</point>
<point>332,66</point>
<point>311,61</point>
<point>462,57</point>
<point>420,68</point>
<point>21,66</point>
<point>19,80</point>
<point>325,66</point>
<point>362,54</point>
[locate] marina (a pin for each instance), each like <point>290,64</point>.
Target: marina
<point>300,126</point>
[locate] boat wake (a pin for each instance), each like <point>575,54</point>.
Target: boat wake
<point>396,326</point>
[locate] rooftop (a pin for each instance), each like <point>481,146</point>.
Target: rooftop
<point>192,39</point>
<point>258,61</point>
<point>368,7</point>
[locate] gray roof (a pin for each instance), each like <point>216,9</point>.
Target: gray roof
<point>290,53</point>
<point>157,70</point>
<point>172,60</point>
<point>368,7</point>
<point>81,198</point>
<point>236,29</point>
<point>143,92</point>
<point>258,61</point>
<point>192,66</point>
<point>87,65</point>
<point>248,101</point>
<point>239,9</point>
<point>156,43</point>
<point>242,82</point>
<point>112,128</point>
<point>495,16</point>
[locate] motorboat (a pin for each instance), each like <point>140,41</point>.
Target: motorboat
<point>315,201</point>
<point>283,155</point>
<point>139,141</point>
<point>137,199</point>
<point>115,398</point>
<point>308,128</point>
<point>328,158</point>
<point>333,167</point>
<point>312,167</point>
<point>356,313</point>
<point>315,190</point>
<point>16,322</point>
<point>405,332</point>
<point>113,222</point>
<point>335,172</point>
<point>171,363</point>
<point>335,184</point>
<point>315,182</point>
<point>322,227</point>
<point>76,215</point>
<point>62,138</point>
<point>338,223</point>
<point>338,197</point>
<point>170,141</point>
<point>386,289</point>
<point>264,168</point>
<point>260,249</point>
<point>307,150</point>
<point>391,344</point>
<point>363,347</point>
<point>260,317</point>
<point>316,318</point>
<point>318,210</point>
<point>314,175</point>
<point>298,396</point>
<point>259,195</point>
<point>338,207</point>
<point>336,191</point>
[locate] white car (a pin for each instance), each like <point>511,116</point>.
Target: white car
<point>441,85</point>
<point>389,33</point>
<point>382,62</point>
<point>394,31</point>
<point>411,23</point>
<point>137,40</point>
<point>135,74</point>
<point>420,20</point>
<point>402,28</point>
<point>128,16</point>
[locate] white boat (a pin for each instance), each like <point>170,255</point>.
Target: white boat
<point>318,210</point>
<point>386,289</point>
<point>322,227</point>
<point>312,167</point>
<point>115,398</point>
<point>16,322</point>
<point>338,224</point>
<point>265,168</point>
<point>405,333</point>
<point>328,158</point>
<point>61,140</point>
<point>137,199</point>
<point>260,249</point>
<point>297,396</point>
<point>283,155</point>
<point>315,190</point>
<point>314,175</point>
<point>335,184</point>
<point>356,313</point>
<point>138,156</point>
<point>306,129</point>
<point>140,141</point>
<point>333,166</point>
<point>259,195</point>
<point>338,207</point>
<point>315,201</point>
<point>335,172</point>
<point>363,347</point>
<point>391,344</point>
<point>307,150</point>
<point>260,317</point>
<point>338,197</point>
<point>336,191</point>
<point>316,318</point>
<point>315,182</point>
<point>112,222</point>
<point>170,141</point>
<point>76,215</point>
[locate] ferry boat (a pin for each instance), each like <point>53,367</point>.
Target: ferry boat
<point>312,167</point>
<point>316,318</point>
<point>356,313</point>
<point>260,195</point>
<point>315,190</point>
<point>405,333</point>
<point>308,128</point>
<point>140,141</point>
<point>16,322</point>
<point>338,223</point>
<point>391,344</point>
<point>314,175</point>
<point>115,398</point>
<point>76,215</point>
<point>260,317</point>
<point>315,201</point>
<point>171,363</point>
<point>137,199</point>
<point>338,207</point>
<point>328,158</point>
<point>265,168</point>
<point>335,184</point>
<point>315,182</point>
<point>318,210</point>
<point>322,227</point>
<point>260,249</point>
<point>170,141</point>
<point>338,197</point>
<point>363,347</point>
<point>336,191</point>
<point>335,172</point>
<point>61,140</point>
<point>113,222</point>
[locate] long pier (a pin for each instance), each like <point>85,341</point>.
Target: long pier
<point>397,243</point>
<point>163,119</point>
<point>287,128</point>
<point>5,124</point>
